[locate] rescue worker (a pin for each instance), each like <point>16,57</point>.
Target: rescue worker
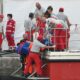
<point>56,30</point>
<point>66,33</point>
<point>30,25</point>
<point>49,12</point>
<point>41,25</point>
<point>23,50</point>
<point>1,30</point>
<point>62,16</point>
<point>34,56</point>
<point>10,30</point>
<point>39,10</point>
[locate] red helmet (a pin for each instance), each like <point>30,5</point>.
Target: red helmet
<point>61,9</point>
<point>1,16</point>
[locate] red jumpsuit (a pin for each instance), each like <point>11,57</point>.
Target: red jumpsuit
<point>36,58</point>
<point>58,37</point>
<point>10,29</point>
<point>66,36</point>
<point>30,34</point>
<point>41,26</point>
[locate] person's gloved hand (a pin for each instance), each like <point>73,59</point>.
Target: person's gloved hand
<point>53,46</point>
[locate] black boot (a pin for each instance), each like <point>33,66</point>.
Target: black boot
<point>38,75</point>
<point>27,75</point>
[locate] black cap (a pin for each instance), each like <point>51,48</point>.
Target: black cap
<point>10,15</point>
<point>31,15</point>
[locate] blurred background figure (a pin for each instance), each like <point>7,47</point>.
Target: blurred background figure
<point>30,25</point>
<point>49,11</point>
<point>39,10</point>
<point>63,17</point>
<point>10,30</point>
<point>1,30</point>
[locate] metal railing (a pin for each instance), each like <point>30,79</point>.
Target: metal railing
<point>31,76</point>
<point>54,35</point>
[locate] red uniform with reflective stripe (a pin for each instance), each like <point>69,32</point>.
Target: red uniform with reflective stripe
<point>10,29</point>
<point>41,26</point>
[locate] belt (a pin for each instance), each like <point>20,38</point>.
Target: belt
<point>8,31</point>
